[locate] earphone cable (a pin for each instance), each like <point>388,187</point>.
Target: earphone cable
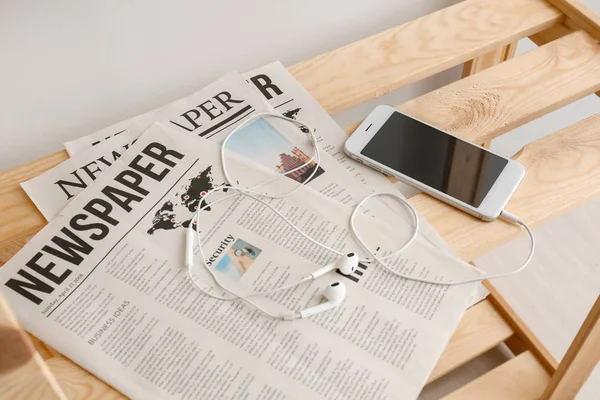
<point>252,193</point>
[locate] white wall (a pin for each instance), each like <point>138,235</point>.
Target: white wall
<point>68,68</point>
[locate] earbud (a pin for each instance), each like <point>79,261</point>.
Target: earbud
<point>346,264</point>
<point>334,293</point>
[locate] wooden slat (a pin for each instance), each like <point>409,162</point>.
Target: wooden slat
<point>526,338</point>
<point>486,61</point>
<point>10,250</point>
<point>521,378</point>
<point>481,329</point>
<point>43,349</point>
<point>377,65</point>
<point>19,217</point>
<point>548,35</point>
<point>580,360</point>
<point>499,99</point>
<point>23,373</point>
<point>562,172</point>
<point>79,384</point>
<point>553,33</point>
<point>583,16</point>
<point>490,59</point>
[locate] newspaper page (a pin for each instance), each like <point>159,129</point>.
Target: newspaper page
<point>52,190</point>
<point>217,107</point>
<point>281,90</point>
<point>105,284</point>
<point>87,142</point>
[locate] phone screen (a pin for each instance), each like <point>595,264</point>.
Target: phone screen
<point>436,159</point>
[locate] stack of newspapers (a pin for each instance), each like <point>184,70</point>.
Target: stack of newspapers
<point>105,281</point>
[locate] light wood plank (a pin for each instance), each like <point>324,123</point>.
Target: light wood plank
<point>499,99</point>
<point>369,68</point>
<point>8,251</point>
<point>521,378</point>
<point>561,173</point>
<point>580,360</point>
<point>486,61</point>
<point>526,339</point>
<point>583,16</point>
<point>490,59</point>
<point>19,217</point>
<point>43,349</point>
<point>79,384</point>
<point>548,35</point>
<point>481,329</point>
<point>23,373</point>
<point>553,33</point>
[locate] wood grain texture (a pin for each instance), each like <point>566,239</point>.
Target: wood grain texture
<point>580,360</point>
<point>23,373</point>
<point>553,33</point>
<point>486,61</point>
<point>490,59</point>
<point>548,35</point>
<point>499,99</point>
<point>78,384</point>
<point>19,217</point>
<point>481,329</point>
<point>527,340</point>
<point>583,16</point>
<point>43,349</point>
<point>521,378</point>
<point>10,250</point>
<point>369,68</point>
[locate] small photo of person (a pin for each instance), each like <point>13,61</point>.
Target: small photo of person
<point>238,259</point>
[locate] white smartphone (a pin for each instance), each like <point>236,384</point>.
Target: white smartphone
<point>451,169</point>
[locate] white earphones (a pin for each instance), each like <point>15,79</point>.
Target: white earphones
<point>346,265</point>
<point>335,293</point>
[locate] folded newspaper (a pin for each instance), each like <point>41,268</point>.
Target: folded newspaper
<point>105,284</point>
<point>215,110</point>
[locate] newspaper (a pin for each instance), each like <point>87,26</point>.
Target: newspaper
<point>52,190</point>
<point>271,83</point>
<point>281,90</point>
<point>212,110</point>
<point>87,142</point>
<point>104,284</point>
